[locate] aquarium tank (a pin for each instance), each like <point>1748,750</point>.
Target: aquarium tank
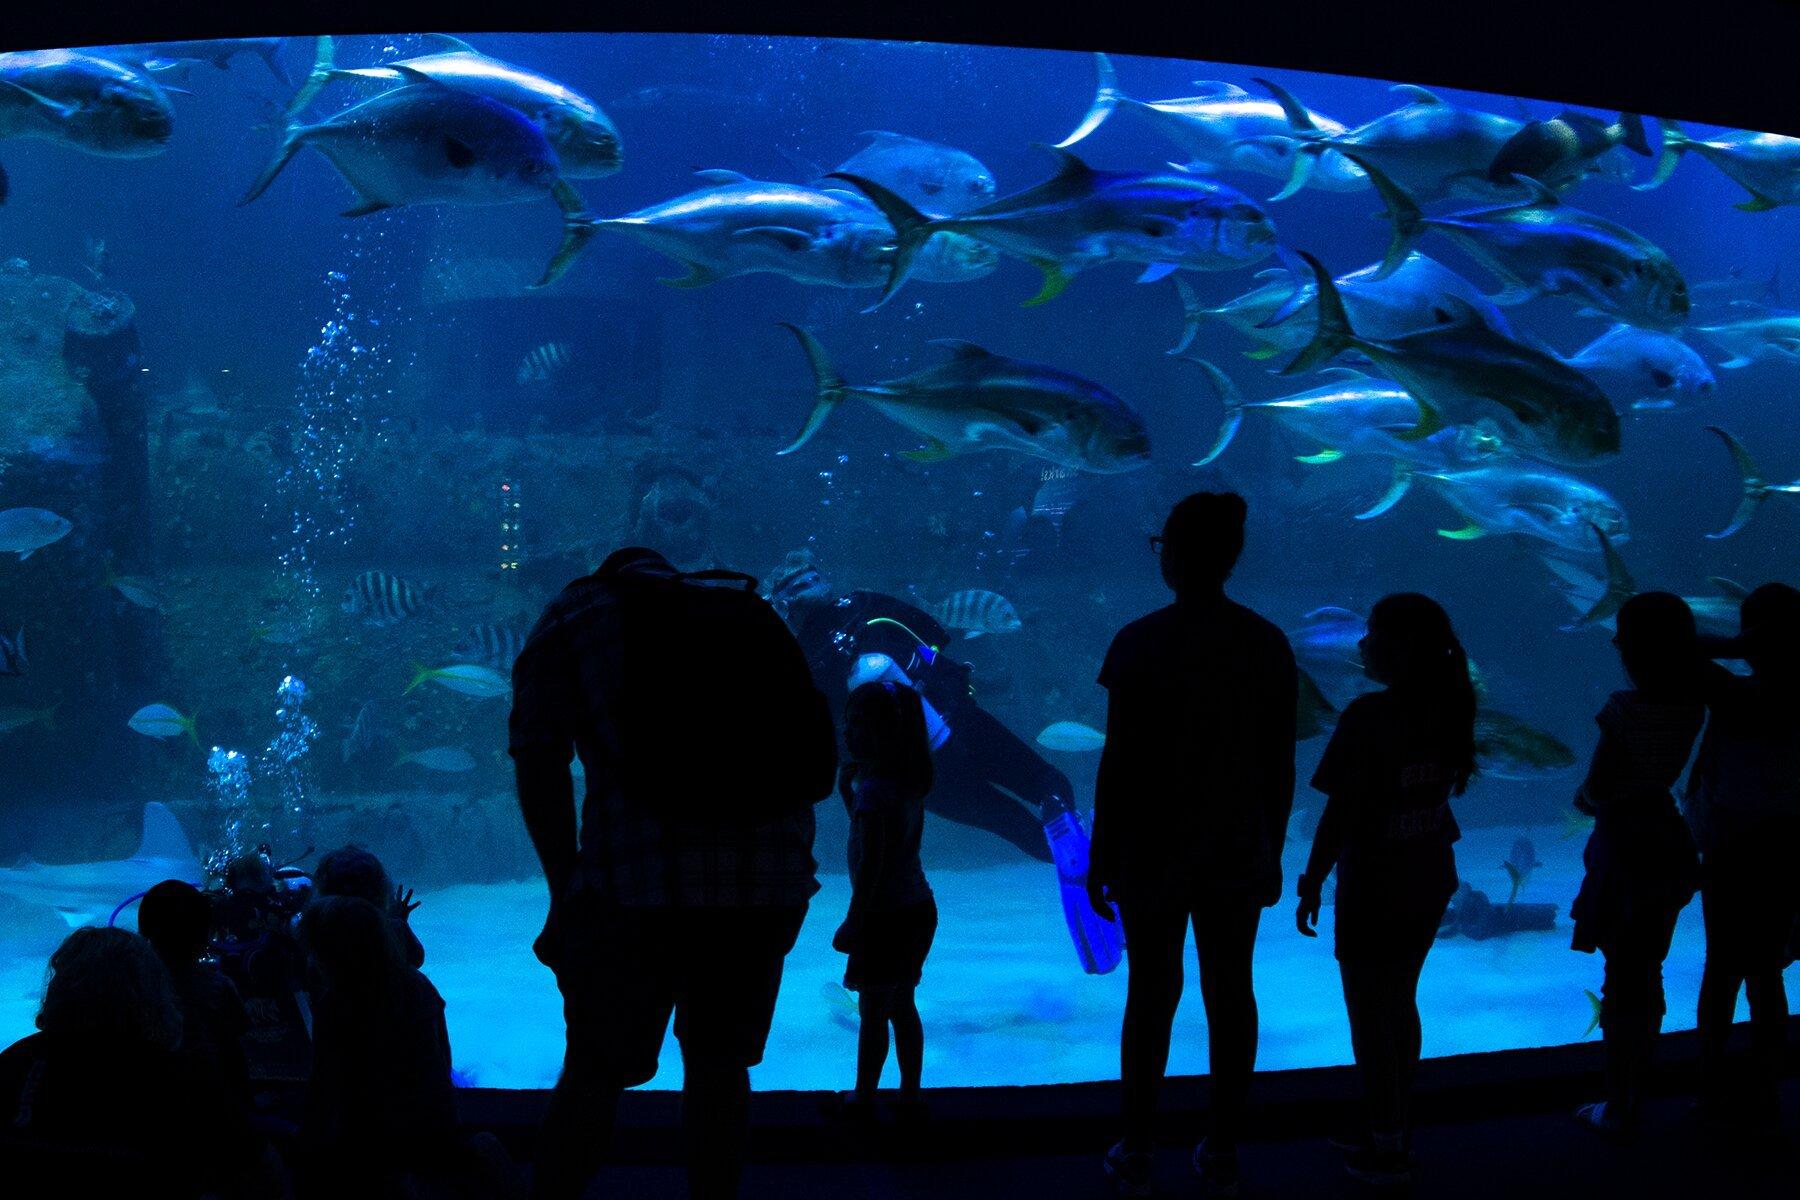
<point>325,363</point>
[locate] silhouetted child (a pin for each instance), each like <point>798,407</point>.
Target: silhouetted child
<point>100,1102</point>
<point>1641,865</point>
<point>893,915</point>
<point>1397,757</point>
<point>380,1107</point>
<point>176,919</point>
<point>354,871</point>
<point>1743,805</point>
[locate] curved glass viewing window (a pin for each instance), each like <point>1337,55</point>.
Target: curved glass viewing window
<point>295,447</point>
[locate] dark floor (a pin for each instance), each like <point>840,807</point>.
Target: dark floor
<point>1505,1158</point>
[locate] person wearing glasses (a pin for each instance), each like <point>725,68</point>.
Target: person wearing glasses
<point>1191,809</point>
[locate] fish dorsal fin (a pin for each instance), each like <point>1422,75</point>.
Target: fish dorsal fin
<point>445,41</point>
<point>887,135</point>
<point>1343,374</point>
<point>720,175</point>
<point>1730,588</point>
<point>1070,167</point>
<point>1415,94</point>
<point>1217,87</point>
<point>964,351</point>
<point>163,835</point>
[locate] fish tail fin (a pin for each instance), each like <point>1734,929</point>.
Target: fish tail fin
<point>190,726</point>
<point>1635,139</point>
<point>578,227</point>
<point>1313,140</point>
<point>323,69</point>
<point>1675,143</point>
<point>827,383</point>
<point>292,138</point>
<point>1402,211</point>
<point>1333,334</point>
<point>421,673</point>
<point>1755,489</point>
<point>1231,397</point>
<point>912,229</point>
<point>1397,488</point>
<point>1106,98</point>
<point>1191,313</point>
<point>1620,587</point>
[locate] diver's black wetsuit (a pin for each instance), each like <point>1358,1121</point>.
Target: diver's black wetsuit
<point>982,756</point>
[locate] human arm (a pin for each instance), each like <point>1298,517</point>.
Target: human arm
<point>541,741</point>
<point>1102,874</point>
<point>1342,776</point>
<point>1281,735</point>
<point>877,827</point>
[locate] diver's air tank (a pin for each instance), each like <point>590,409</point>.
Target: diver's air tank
<point>879,668</point>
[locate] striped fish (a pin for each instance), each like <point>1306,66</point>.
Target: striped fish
<point>491,645</point>
<point>544,363</point>
<point>975,612</point>
<point>384,599</point>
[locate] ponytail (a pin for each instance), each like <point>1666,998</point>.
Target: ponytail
<point>1431,666</point>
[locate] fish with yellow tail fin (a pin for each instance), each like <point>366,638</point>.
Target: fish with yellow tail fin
<point>1467,373</point>
<point>1081,217</point>
<point>979,400</point>
<point>470,679</point>
<point>1595,1006</point>
<point>429,143</point>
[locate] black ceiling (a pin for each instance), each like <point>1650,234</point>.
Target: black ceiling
<point>1728,62</point>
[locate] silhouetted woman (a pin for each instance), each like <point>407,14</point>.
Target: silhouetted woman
<point>893,915</point>
<point>1641,864</point>
<point>1393,764</point>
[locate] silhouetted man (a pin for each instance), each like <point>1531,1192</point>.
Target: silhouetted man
<point>690,877</point>
<point>1190,811</point>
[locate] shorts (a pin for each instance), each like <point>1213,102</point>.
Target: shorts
<point>623,972</point>
<point>891,952</point>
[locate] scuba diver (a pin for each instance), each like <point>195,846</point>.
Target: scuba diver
<point>986,775</point>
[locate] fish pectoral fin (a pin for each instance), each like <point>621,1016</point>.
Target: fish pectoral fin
<point>1156,271</point>
<point>936,451</point>
<point>1430,422</point>
<point>787,237</point>
<point>697,276</point>
<point>1327,455</point>
<point>1513,293</point>
<point>1467,533</point>
<point>1735,364</point>
<point>1262,353</point>
<point>56,107</point>
<point>1055,280</point>
<point>365,207</point>
<point>1756,203</point>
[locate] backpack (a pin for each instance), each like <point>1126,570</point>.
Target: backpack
<point>719,722</point>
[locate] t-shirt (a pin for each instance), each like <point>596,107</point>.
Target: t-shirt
<point>1196,780</point>
<point>882,812</point>
<point>1387,775</point>
<point>1644,743</point>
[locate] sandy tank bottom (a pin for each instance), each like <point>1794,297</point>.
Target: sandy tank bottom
<point>1004,1001</point>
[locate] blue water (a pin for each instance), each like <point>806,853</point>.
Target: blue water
<point>328,396</point>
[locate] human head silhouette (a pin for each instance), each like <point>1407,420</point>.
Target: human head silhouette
<point>176,919</point>
<point>1412,648</point>
<point>1659,645</point>
<point>1201,542</point>
<point>1770,630</point>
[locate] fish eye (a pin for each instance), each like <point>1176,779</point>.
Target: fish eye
<point>1661,378</point>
